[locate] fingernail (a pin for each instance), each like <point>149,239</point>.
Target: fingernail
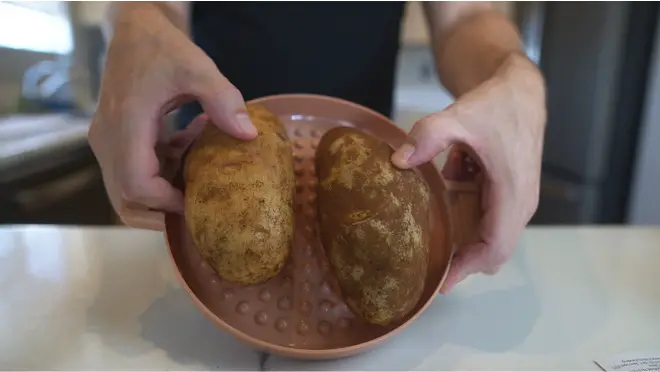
<point>245,124</point>
<point>403,154</point>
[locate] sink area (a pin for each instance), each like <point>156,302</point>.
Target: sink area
<point>24,137</point>
<point>48,173</point>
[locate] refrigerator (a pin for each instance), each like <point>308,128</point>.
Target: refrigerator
<point>601,157</point>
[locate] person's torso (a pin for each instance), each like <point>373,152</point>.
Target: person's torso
<point>341,49</point>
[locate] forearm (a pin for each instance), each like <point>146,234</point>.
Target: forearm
<point>472,47</point>
<point>176,12</point>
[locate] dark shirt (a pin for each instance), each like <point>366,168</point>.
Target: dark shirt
<point>340,49</point>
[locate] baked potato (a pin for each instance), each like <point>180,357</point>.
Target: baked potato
<point>239,199</point>
<point>373,222</point>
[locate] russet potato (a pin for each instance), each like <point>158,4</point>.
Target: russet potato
<point>239,199</point>
<point>373,224</point>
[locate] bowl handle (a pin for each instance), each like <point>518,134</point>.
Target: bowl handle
<point>463,180</point>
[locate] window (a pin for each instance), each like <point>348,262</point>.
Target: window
<point>36,26</point>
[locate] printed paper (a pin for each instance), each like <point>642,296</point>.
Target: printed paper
<point>632,362</point>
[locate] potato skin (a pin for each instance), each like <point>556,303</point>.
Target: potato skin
<point>373,224</point>
<point>239,199</point>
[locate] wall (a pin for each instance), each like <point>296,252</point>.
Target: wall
<point>13,62</point>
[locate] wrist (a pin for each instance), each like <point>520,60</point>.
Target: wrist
<point>520,72</point>
<point>525,85</point>
<point>141,13</point>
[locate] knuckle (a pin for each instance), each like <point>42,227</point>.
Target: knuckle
<point>526,206</point>
<point>535,197</point>
<point>230,90</point>
<point>227,91</point>
<point>125,220</point>
<point>187,75</point>
<point>93,133</point>
<point>497,257</point>
<point>129,220</point>
<point>131,191</point>
<point>188,72</point>
<point>426,133</point>
<point>492,270</point>
<point>98,143</point>
<point>122,211</point>
<point>533,206</point>
<point>212,86</point>
<point>427,125</point>
<point>203,77</point>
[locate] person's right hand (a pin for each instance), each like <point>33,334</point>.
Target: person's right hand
<point>152,67</point>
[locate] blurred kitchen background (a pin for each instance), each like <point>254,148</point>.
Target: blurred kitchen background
<point>601,61</point>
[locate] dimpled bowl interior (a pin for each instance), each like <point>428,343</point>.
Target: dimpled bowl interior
<point>300,313</point>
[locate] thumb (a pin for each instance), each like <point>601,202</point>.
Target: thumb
<point>224,104</point>
<point>429,137</point>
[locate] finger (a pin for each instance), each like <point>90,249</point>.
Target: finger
<point>142,219</point>
<point>171,152</point>
<point>429,137</point>
<point>500,228</point>
<point>222,102</point>
<point>138,168</point>
<point>465,262</point>
<point>485,257</point>
<point>156,193</point>
<point>179,142</point>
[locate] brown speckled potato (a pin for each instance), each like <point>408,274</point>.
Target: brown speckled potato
<point>239,200</point>
<point>373,224</point>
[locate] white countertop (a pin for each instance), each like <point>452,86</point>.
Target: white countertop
<point>107,299</point>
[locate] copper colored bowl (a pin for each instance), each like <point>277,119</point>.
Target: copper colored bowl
<point>300,312</point>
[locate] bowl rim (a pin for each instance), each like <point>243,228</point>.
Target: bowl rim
<point>313,353</point>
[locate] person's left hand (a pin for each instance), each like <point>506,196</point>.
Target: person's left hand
<point>502,121</point>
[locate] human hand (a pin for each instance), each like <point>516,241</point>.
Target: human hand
<point>502,122</point>
<point>151,68</point>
